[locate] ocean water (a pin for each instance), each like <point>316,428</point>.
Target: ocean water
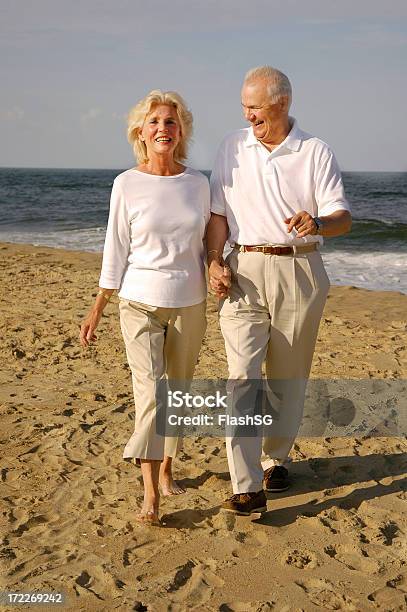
<point>69,209</point>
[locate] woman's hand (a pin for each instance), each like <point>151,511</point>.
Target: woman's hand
<point>87,333</point>
<point>219,278</point>
<point>89,325</point>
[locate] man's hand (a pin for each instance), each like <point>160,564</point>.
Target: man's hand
<point>219,274</point>
<point>219,278</point>
<point>335,224</point>
<point>303,223</point>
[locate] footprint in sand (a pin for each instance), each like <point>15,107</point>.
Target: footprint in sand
<point>340,491</point>
<point>389,599</point>
<point>251,542</point>
<point>339,519</point>
<point>224,521</point>
<point>388,531</point>
<point>96,579</point>
<point>253,606</point>
<point>194,582</point>
<point>300,558</point>
<point>138,552</point>
<point>322,593</point>
<point>354,558</point>
<point>32,522</point>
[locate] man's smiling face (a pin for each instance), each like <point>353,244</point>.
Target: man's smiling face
<point>265,116</point>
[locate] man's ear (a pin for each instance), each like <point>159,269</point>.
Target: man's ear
<point>284,106</point>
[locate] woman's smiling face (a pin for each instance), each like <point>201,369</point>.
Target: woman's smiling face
<point>161,131</point>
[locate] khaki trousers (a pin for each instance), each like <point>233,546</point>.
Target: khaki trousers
<point>272,314</point>
<point>160,343</point>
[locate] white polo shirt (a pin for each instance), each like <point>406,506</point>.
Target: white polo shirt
<point>154,249</point>
<point>257,189</point>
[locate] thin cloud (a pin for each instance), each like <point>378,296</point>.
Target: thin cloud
<point>91,115</point>
<point>322,22</point>
<point>119,116</point>
<point>376,35</point>
<point>13,114</point>
<point>126,17</point>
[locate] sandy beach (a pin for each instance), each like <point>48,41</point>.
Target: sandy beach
<point>336,540</point>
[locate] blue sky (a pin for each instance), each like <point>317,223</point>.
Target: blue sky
<point>71,70</point>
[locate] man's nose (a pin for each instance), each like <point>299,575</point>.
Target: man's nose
<point>249,114</point>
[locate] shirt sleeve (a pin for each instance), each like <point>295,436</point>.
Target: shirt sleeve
<point>207,202</point>
<point>117,242</point>
<point>329,189</point>
<point>218,182</point>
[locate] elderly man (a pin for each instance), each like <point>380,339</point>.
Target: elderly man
<point>275,192</point>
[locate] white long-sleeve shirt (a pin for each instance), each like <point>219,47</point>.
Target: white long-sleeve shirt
<point>154,250</point>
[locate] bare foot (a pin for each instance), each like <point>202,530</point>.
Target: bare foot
<point>169,486</point>
<point>148,514</point>
<point>148,518</point>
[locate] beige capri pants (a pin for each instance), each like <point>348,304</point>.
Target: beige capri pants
<point>272,314</point>
<point>160,342</point>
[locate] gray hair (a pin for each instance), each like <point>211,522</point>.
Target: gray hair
<point>278,83</point>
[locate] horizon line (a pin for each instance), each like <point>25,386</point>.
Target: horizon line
<point>200,169</point>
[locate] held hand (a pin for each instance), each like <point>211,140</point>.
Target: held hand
<point>88,327</point>
<point>219,279</point>
<point>303,223</point>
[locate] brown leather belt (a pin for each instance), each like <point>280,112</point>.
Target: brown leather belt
<point>276,250</point>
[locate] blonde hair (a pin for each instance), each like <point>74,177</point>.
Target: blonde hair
<point>278,83</point>
<point>138,114</point>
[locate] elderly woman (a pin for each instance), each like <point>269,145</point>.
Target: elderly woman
<point>154,256</point>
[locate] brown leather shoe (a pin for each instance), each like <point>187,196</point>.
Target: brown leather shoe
<point>246,503</point>
<point>276,479</point>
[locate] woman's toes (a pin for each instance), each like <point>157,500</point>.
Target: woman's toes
<point>148,518</point>
<point>178,489</point>
<point>171,487</point>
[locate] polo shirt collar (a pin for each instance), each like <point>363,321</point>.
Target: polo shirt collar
<point>292,141</point>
